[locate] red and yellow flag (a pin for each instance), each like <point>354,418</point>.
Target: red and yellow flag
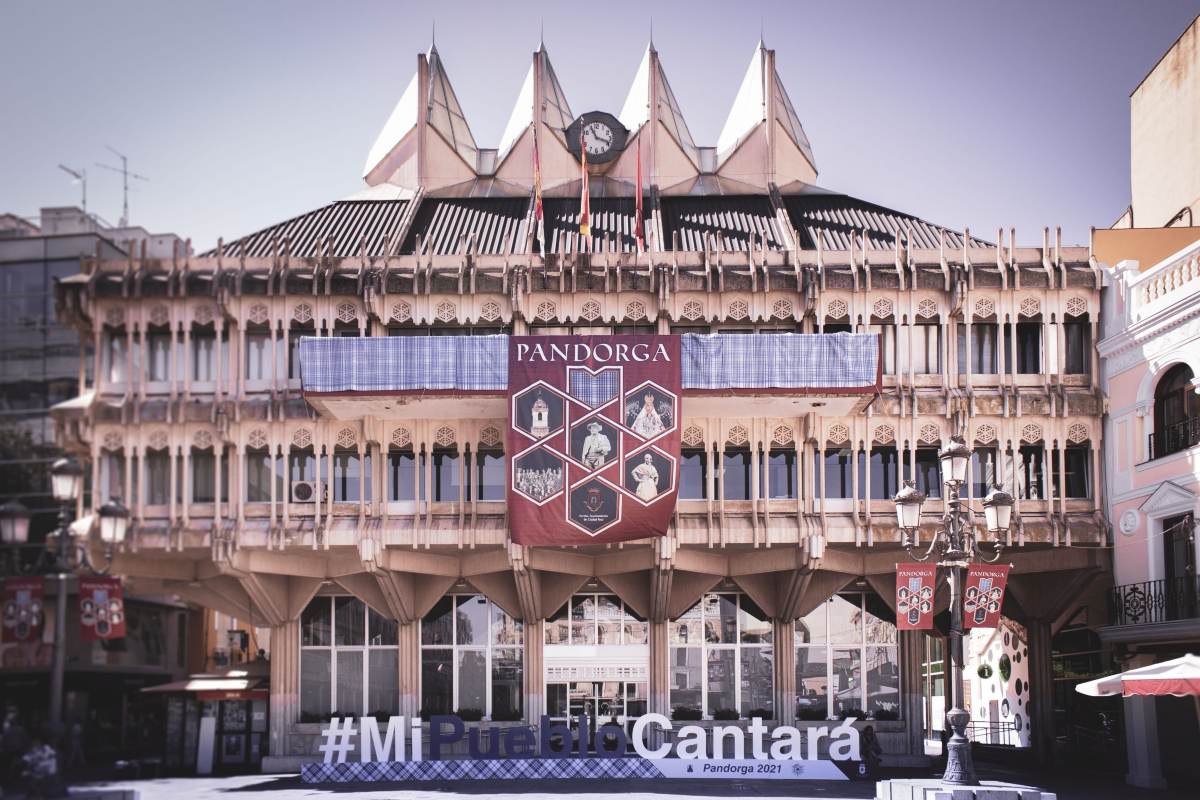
<point>538,215</point>
<point>639,220</point>
<point>585,208</point>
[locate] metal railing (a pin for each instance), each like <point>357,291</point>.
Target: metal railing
<point>993,732</point>
<point>1175,437</point>
<point>1163,600</point>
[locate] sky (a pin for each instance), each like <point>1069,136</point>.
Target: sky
<point>977,114</point>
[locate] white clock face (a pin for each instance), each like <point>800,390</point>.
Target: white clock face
<point>597,138</point>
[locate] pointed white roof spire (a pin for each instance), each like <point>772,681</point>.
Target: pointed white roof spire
<point>445,114</point>
<point>401,122</point>
<point>750,108</point>
<point>556,112</point>
<point>651,82</point>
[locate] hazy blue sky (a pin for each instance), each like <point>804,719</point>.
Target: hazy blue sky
<point>244,114</point>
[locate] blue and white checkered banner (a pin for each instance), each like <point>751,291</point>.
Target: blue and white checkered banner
<point>573,769</point>
<point>838,362</point>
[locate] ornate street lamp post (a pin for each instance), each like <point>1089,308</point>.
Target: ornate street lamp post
<point>61,556</point>
<point>955,545</point>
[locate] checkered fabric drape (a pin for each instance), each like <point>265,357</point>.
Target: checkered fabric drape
<point>839,361</point>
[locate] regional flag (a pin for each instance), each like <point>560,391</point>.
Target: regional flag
<point>538,215</point>
<point>639,219</point>
<point>585,208</point>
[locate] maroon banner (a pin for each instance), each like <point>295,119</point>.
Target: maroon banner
<point>916,585</point>
<point>24,610</point>
<point>593,437</point>
<point>101,609</point>
<point>983,595</point>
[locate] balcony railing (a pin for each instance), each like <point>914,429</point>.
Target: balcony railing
<point>997,732</point>
<point>1175,437</point>
<point>1163,600</point>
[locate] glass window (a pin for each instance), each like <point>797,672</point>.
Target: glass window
<point>1077,482</point>
<point>294,351</point>
<point>838,479</point>
<point>258,476</point>
<point>927,348</point>
<point>445,474</point>
<point>887,346</point>
<point>158,478</point>
<point>490,476</point>
<point>1030,477</point>
<point>928,475</point>
<point>884,473</point>
<point>258,356</point>
<point>983,335</point>
<point>204,362</point>
<point>782,477</point>
<point>595,619</point>
<point>158,356</point>
<point>348,474</point>
<point>204,480</point>
<point>735,473</point>
<point>735,651</point>
<point>302,465</point>
<point>342,668</point>
<point>402,475</point>
<point>471,659</point>
<point>833,644</point>
<point>984,471</point>
<point>117,360</point>
<point>1079,346</point>
<point>1028,347</point>
<point>693,474</point>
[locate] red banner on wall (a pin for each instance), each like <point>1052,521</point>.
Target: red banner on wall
<point>593,435</point>
<point>983,595</point>
<point>916,585</point>
<point>24,610</point>
<point>101,609</point>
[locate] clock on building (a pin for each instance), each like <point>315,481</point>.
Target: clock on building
<point>600,134</point>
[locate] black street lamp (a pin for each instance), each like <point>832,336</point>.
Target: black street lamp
<point>955,545</point>
<point>62,555</point>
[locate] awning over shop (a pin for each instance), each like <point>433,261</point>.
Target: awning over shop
<point>237,684</point>
<point>839,363</point>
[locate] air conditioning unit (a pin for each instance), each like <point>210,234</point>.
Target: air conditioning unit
<point>304,491</point>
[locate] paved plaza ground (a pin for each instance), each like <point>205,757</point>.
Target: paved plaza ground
<point>1069,786</point>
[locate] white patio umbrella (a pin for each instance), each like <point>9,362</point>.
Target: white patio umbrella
<point>1179,677</point>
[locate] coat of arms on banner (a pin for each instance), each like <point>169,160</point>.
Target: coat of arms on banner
<point>101,609</point>
<point>983,595</point>
<point>915,589</point>
<point>24,610</point>
<point>593,436</point>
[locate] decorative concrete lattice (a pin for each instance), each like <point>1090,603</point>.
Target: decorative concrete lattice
<point>1031,433</point>
<point>782,309</point>
<point>347,312</point>
<point>589,769</point>
<point>836,309</point>
<point>257,439</point>
<point>1076,306</point>
<point>202,440</point>
<point>635,310</point>
<point>693,436</point>
<point>738,435</point>
<point>302,313</point>
<point>1031,307</point>
<point>489,436</point>
<point>490,311</point>
<point>693,310</point>
<point>590,311</point>
<point>445,436</point>
<point>114,317</point>
<point>927,308</point>
<point>203,313</point>
<point>157,440</point>
<point>1078,432</point>
<point>838,434</point>
<point>302,437</point>
<point>401,312</point>
<point>739,309</point>
<point>447,311</point>
<point>985,434</point>
<point>546,311</point>
<point>347,438</point>
<point>160,315</point>
<point>401,437</point>
<point>882,308</point>
<point>782,435</point>
<point>885,434</point>
<point>930,434</point>
<point>984,307</point>
<point>259,313</point>
<point>112,441</point>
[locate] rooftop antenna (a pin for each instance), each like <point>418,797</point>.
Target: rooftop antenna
<point>80,176</point>
<point>125,176</point>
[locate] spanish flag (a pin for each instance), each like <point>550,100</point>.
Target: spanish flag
<point>585,209</point>
<point>639,221</point>
<point>539,215</point>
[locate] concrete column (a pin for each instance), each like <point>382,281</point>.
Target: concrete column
<point>1141,743</point>
<point>784,631</point>
<point>535,671</point>
<point>1041,691</point>
<point>660,675</point>
<point>410,667</point>
<point>285,685</point>
<point>910,651</point>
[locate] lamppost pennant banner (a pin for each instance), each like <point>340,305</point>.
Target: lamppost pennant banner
<point>916,585</point>
<point>983,595</point>
<point>593,437</point>
<point>24,610</point>
<point>101,609</point>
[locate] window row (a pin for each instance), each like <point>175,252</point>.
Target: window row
<point>170,355</point>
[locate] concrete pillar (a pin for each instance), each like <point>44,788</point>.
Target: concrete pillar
<point>659,701</point>
<point>409,641</point>
<point>285,685</point>
<point>535,671</point>
<point>1041,691</point>
<point>1141,743</point>
<point>910,652</point>
<point>785,670</point>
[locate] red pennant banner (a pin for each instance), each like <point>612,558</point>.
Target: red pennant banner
<point>983,595</point>
<point>916,585</point>
<point>593,437</point>
<point>101,609</point>
<point>24,610</point>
